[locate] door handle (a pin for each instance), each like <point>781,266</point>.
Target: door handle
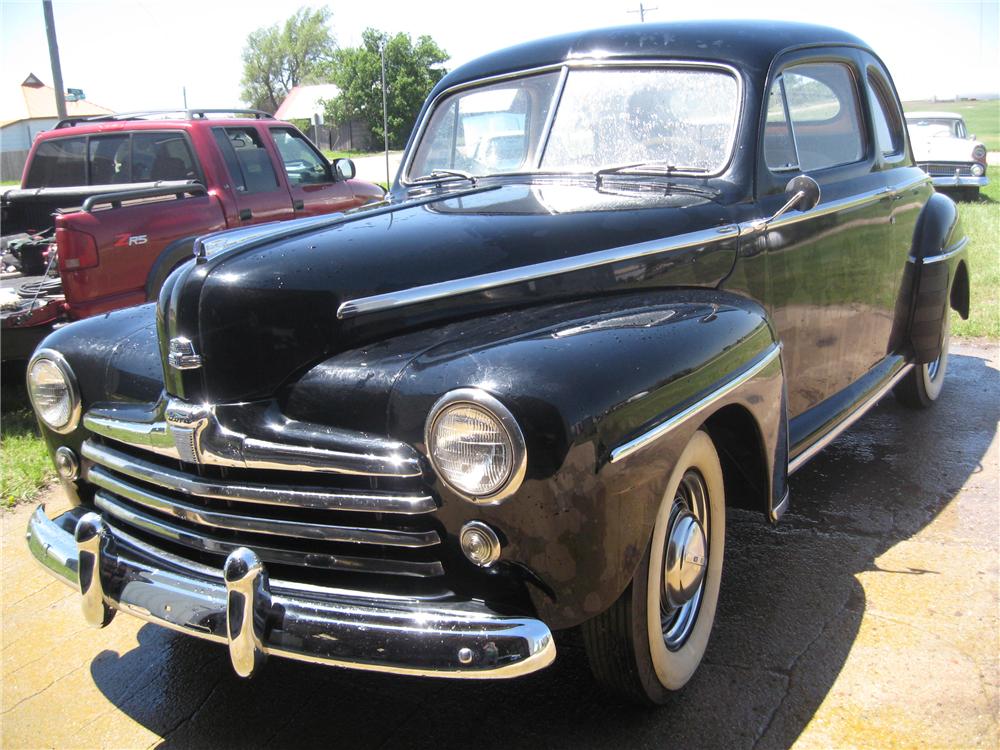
<point>298,205</point>
<point>245,214</point>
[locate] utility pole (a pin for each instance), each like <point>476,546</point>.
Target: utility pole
<point>643,10</point>
<point>184,93</point>
<point>57,82</point>
<point>385,114</point>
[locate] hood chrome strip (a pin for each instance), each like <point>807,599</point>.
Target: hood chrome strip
<point>486,281</point>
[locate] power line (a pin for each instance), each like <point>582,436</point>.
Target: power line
<point>643,10</point>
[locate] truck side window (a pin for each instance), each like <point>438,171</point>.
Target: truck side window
<point>246,158</point>
<point>162,156</point>
<point>302,164</point>
<point>823,107</point>
<point>110,160</point>
<point>60,162</point>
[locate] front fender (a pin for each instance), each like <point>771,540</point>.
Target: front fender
<point>583,380</point>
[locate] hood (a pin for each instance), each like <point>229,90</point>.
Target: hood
<point>265,308</point>
<point>928,147</point>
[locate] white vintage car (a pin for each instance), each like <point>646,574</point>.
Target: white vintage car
<point>944,149</point>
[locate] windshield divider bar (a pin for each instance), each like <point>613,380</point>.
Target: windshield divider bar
<point>550,118</point>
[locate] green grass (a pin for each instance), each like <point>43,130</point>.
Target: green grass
<point>25,466</point>
<point>331,155</point>
<point>981,221</point>
<point>10,183</point>
<point>982,117</point>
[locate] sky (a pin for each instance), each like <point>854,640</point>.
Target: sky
<point>141,54</point>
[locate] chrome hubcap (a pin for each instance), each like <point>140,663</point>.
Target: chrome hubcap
<point>685,560</point>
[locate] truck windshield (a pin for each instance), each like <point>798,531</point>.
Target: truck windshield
<point>681,118</point>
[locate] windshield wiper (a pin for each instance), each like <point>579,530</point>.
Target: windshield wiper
<point>439,175</point>
<point>656,169</point>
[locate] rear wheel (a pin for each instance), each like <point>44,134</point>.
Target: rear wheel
<point>924,383</point>
<point>652,639</point>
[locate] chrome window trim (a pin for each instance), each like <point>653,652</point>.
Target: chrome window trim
<point>76,404</point>
<point>582,63</point>
<point>483,282</point>
<point>651,436</point>
<point>482,399</point>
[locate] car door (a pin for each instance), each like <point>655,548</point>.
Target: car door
<point>311,179</point>
<point>260,195</point>
<point>823,265</point>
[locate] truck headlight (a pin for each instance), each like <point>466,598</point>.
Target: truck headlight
<point>53,390</point>
<point>476,445</point>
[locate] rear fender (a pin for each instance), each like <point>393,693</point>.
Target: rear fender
<point>937,260</point>
<point>607,393</point>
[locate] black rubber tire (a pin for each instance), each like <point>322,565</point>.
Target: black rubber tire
<point>617,641</point>
<point>922,386</point>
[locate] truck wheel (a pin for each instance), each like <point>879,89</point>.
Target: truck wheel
<point>652,639</point>
<point>922,386</point>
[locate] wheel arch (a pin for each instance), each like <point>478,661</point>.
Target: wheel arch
<point>169,258</point>
<point>742,451</point>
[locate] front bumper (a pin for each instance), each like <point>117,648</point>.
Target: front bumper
<point>255,617</point>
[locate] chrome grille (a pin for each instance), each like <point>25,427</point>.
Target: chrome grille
<point>309,526</point>
<point>942,169</point>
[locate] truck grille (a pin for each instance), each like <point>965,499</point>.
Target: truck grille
<point>330,524</point>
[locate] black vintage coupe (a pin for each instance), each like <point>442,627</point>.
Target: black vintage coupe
<point>624,279</point>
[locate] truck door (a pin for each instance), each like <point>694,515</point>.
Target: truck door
<point>311,180</point>
<point>260,195</point>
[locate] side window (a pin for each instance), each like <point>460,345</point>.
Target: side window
<point>246,157</point>
<point>885,116</point>
<point>302,164</point>
<point>779,146</point>
<point>162,156</point>
<point>110,160</point>
<point>59,163</point>
<point>823,107</point>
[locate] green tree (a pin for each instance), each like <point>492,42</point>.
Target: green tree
<point>411,70</point>
<point>279,57</point>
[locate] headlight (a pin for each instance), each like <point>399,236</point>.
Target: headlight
<point>476,445</point>
<point>979,152</point>
<point>53,390</point>
<point>978,170</point>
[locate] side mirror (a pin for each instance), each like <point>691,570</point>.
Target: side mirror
<point>972,137</point>
<point>802,192</point>
<point>345,169</point>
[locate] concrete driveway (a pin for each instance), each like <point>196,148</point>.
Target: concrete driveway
<point>867,618</point>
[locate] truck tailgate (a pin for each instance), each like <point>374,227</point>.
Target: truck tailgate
<point>105,256</point>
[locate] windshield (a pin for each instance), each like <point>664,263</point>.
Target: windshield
<point>678,117</point>
<point>938,126</point>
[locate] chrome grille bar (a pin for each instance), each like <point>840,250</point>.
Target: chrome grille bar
<point>257,525</point>
<point>200,541</point>
<point>296,497</point>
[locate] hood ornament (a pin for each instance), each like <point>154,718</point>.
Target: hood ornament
<point>182,355</point>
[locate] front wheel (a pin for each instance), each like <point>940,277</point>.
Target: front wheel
<point>922,386</point>
<point>652,639</point>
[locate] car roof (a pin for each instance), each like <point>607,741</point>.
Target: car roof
<point>932,116</point>
<point>751,44</point>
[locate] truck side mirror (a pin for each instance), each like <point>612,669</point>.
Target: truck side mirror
<point>345,169</point>
<point>804,190</point>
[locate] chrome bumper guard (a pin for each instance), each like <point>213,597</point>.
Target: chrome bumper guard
<point>255,616</point>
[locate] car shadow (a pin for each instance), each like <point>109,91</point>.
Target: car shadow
<point>791,607</point>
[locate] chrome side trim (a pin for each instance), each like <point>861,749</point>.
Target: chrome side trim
<point>940,257</point>
<point>483,282</point>
<point>647,438</point>
<point>462,640</point>
<point>799,460</point>
<point>297,497</point>
<point>255,524</point>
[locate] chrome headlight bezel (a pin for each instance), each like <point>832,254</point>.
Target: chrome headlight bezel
<point>483,401</point>
<point>72,388</point>
<point>978,170</point>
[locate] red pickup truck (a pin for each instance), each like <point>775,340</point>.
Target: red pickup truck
<point>130,193</point>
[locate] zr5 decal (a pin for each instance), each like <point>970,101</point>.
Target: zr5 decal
<point>130,240</point>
